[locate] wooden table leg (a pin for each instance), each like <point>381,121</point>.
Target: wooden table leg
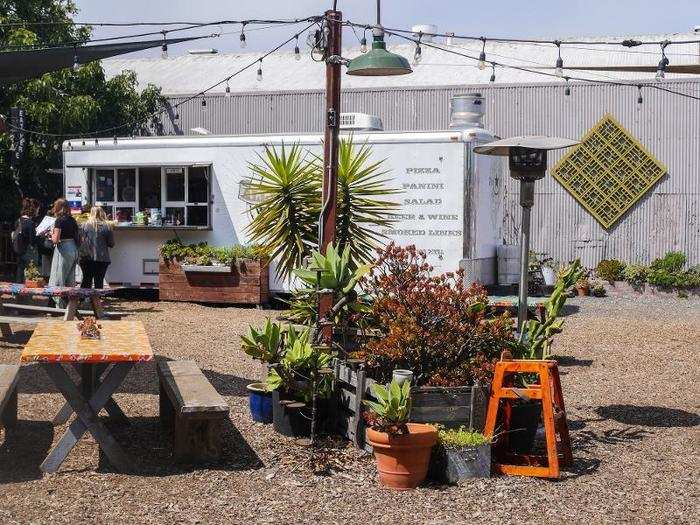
<point>87,420</point>
<point>96,303</point>
<point>5,327</point>
<point>72,308</point>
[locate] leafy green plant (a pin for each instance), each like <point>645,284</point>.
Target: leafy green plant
<point>536,336</point>
<point>460,437</point>
<point>285,218</point>
<point>598,290</point>
<point>635,274</point>
<point>31,272</point>
<point>390,412</point>
<point>264,345</point>
<point>672,262</point>
<point>302,371</point>
<point>610,270</point>
<point>289,180</point>
<point>332,271</point>
<point>203,254</point>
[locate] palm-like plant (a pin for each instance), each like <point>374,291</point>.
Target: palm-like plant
<point>284,219</point>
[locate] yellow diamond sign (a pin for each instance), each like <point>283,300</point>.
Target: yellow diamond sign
<point>609,171</point>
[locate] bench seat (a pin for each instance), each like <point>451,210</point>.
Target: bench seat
<point>191,405</point>
<point>9,376</point>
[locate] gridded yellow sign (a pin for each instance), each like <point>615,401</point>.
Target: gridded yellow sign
<point>609,171</point>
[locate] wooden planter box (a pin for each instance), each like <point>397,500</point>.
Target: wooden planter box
<point>452,407</point>
<point>247,282</point>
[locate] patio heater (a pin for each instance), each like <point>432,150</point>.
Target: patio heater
<point>527,160</point>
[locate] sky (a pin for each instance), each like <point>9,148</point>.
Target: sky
<point>555,19</point>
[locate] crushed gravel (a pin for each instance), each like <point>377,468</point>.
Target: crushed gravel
<point>630,370</point>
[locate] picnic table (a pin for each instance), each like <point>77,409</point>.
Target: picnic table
<point>103,364</point>
<point>510,302</point>
<point>74,295</point>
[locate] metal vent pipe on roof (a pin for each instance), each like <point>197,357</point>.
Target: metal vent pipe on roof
<point>467,111</point>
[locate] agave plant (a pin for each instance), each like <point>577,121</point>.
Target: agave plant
<point>285,218</point>
<point>263,345</point>
<point>289,182</point>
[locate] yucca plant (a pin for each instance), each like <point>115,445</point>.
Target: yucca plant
<point>289,183</point>
<point>285,218</point>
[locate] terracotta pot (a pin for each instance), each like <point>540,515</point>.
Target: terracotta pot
<point>583,290</point>
<point>402,459</point>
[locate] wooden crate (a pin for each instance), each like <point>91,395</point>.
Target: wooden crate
<point>246,283</point>
<point>451,407</point>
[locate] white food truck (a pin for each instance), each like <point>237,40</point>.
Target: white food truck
<point>192,185</point>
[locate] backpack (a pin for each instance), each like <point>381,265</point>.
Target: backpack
<point>20,240</point>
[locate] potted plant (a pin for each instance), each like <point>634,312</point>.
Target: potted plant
<point>460,454</point>
<point>32,276</point>
<point>598,290</point>
<point>265,346</point>
<point>300,383</point>
<point>402,449</point>
<point>583,286</point>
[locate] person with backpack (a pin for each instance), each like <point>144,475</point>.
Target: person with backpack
<point>66,240</point>
<point>23,239</point>
<point>96,238</point>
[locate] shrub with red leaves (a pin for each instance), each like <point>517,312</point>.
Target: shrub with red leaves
<point>434,325</point>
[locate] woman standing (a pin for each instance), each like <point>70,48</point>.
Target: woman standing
<point>96,240</point>
<point>22,239</point>
<point>66,239</point>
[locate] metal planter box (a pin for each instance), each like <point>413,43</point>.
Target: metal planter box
<point>456,465</point>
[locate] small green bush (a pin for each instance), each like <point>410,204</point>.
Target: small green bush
<point>460,437</point>
<point>610,270</point>
<point>635,274</point>
<point>672,262</point>
<point>598,290</point>
<point>205,255</point>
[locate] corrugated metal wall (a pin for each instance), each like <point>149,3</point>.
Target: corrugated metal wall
<point>668,126</point>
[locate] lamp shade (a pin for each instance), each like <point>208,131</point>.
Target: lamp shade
<point>379,62</point>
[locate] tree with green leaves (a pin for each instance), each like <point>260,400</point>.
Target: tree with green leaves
<point>60,105</point>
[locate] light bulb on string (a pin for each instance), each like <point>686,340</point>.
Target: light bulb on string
<point>567,90</point>
<point>661,68</point>
<point>482,55</point>
<point>417,55</point>
<point>639,96</point>
<point>164,48</point>
<point>259,75</point>
<point>227,92</point>
<point>204,104</point>
<point>115,140</point>
<point>363,42</point>
<point>242,37</point>
<point>297,54</point>
<point>559,65</point>
<point>55,147</point>
<point>449,39</point>
<point>493,73</point>
<point>76,60</point>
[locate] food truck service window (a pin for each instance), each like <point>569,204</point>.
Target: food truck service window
<point>153,196</point>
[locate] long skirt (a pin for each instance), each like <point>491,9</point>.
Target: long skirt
<point>65,259</point>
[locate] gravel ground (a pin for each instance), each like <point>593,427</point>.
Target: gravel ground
<point>629,373</point>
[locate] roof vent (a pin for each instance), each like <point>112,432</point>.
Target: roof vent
<point>467,111</point>
<point>360,122</point>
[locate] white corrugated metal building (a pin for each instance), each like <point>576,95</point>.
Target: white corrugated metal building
<point>290,99</point>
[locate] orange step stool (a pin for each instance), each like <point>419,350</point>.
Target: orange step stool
<point>548,391</point>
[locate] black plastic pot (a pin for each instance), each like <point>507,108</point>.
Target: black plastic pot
<point>291,421</point>
<point>525,416</point>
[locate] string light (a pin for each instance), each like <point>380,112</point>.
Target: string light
<point>297,54</point>
<point>661,68</point>
<point>482,55</point>
<point>227,93</point>
<point>363,42</point>
<point>493,73</point>
<point>55,147</point>
<point>559,66</point>
<point>115,140</point>
<point>259,75</point>
<point>164,48</point>
<point>567,90</point>
<point>418,54</point>
<point>242,37</point>
<point>76,60</point>
<point>449,39</point>
<point>639,97</point>
<point>204,104</point>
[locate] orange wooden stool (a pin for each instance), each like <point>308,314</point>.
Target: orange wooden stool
<point>548,391</point>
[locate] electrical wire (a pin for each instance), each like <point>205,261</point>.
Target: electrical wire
<point>544,73</point>
<point>163,109</point>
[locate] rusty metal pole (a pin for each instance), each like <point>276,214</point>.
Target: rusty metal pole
<point>330,156</point>
<point>332,127</point>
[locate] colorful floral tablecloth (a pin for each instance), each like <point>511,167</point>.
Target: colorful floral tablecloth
<point>60,342</point>
<point>53,291</point>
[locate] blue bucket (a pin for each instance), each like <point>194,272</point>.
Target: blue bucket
<point>260,400</point>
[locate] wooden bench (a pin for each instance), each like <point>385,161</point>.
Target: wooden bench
<point>49,310</point>
<point>9,375</point>
<point>190,404</point>
<point>5,321</point>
